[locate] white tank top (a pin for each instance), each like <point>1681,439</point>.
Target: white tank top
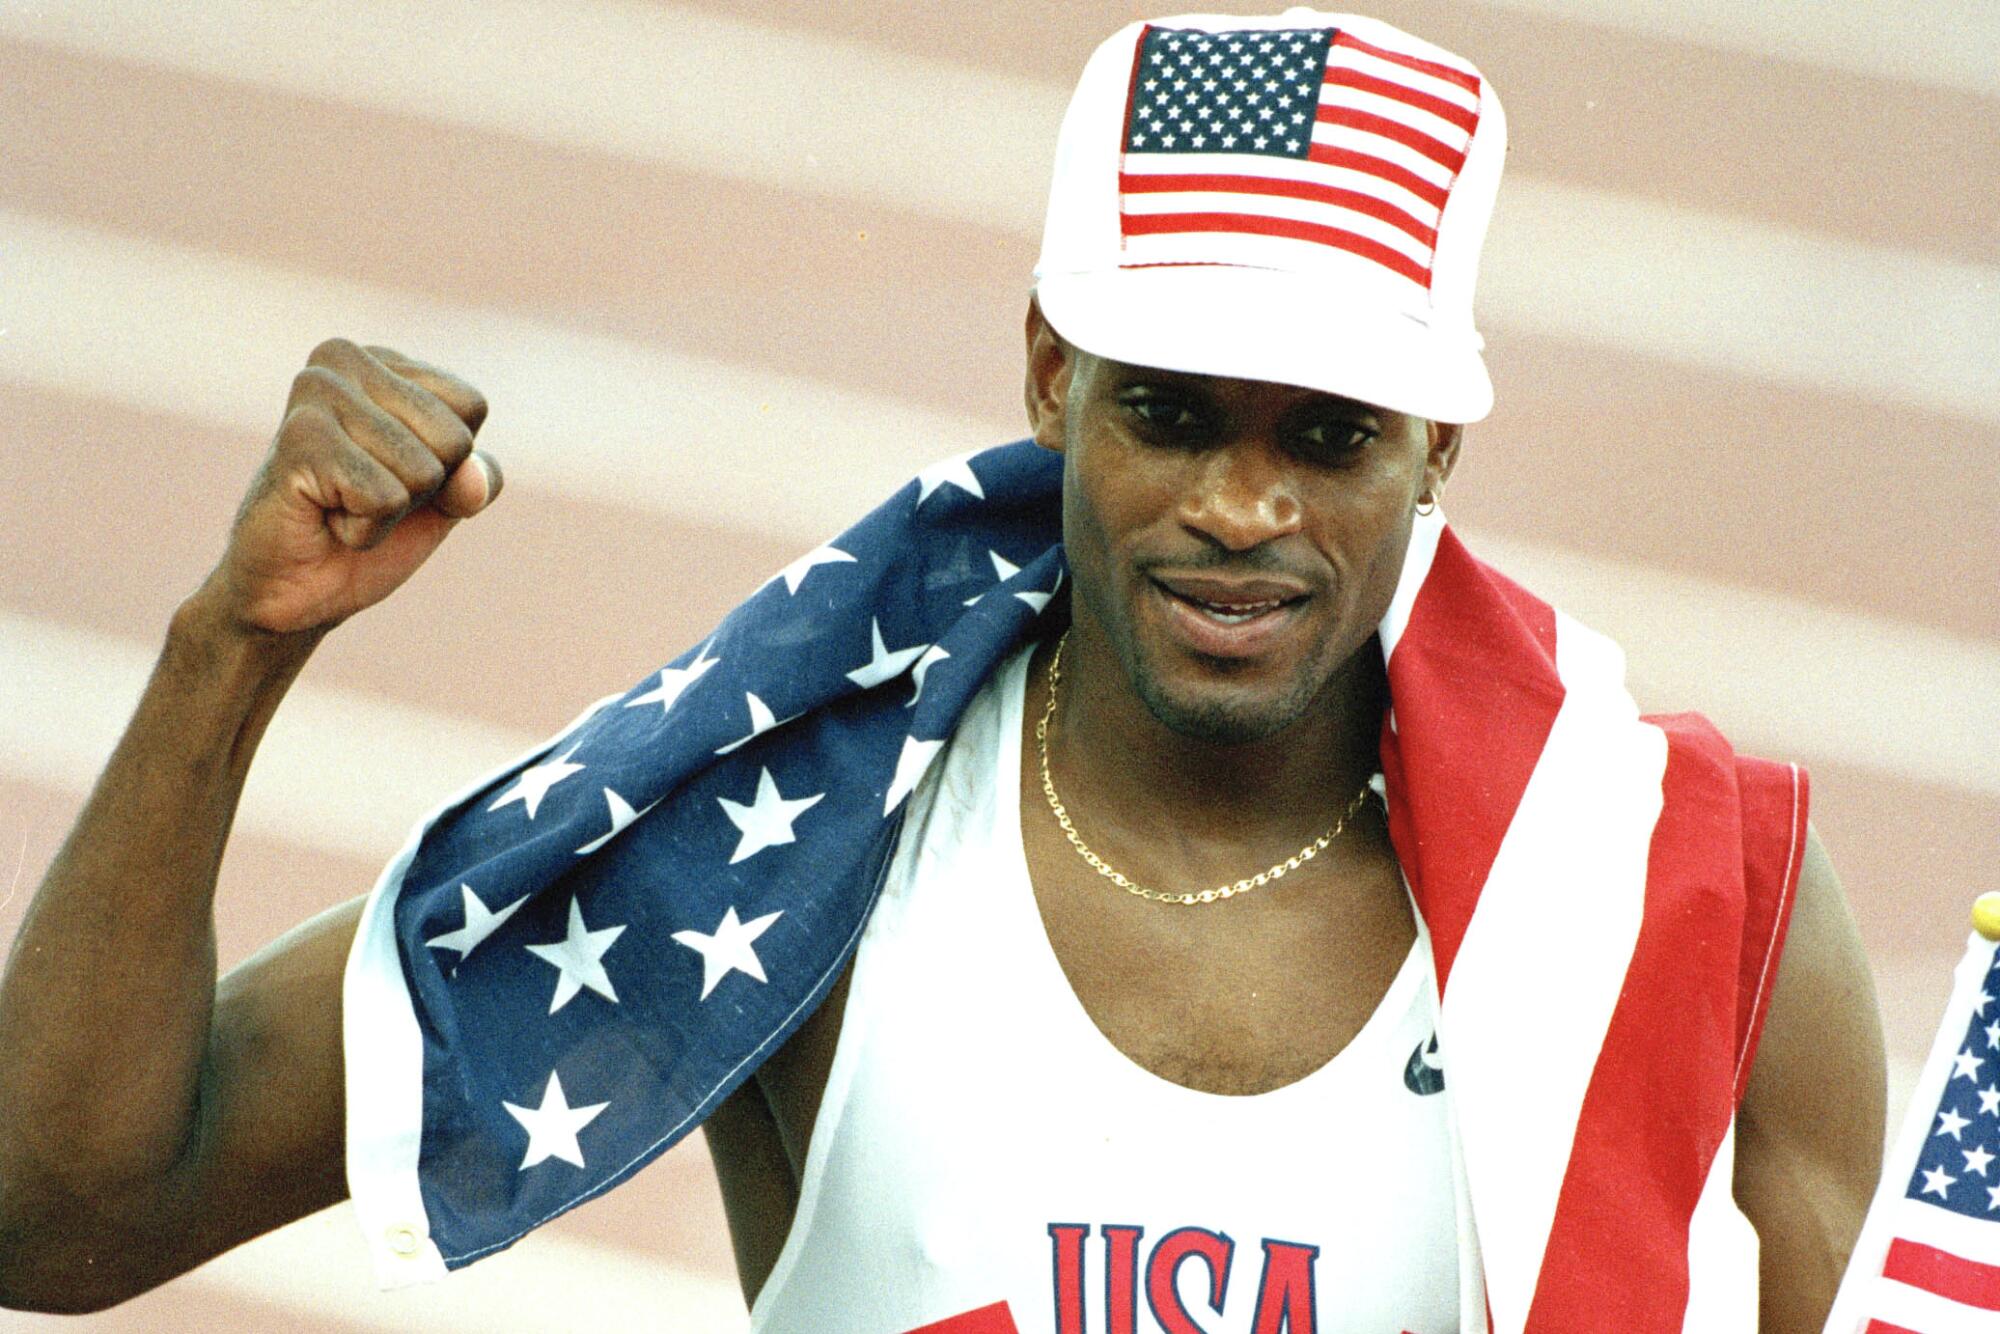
<point>981,1142</point>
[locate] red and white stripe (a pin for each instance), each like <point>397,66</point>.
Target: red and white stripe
<point>1391,132</point>
<point>1579,903</point>
<point>1926,1278</point>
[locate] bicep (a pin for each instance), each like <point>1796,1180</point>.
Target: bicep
<point>268,1146</point>
<point>1810,1127</point>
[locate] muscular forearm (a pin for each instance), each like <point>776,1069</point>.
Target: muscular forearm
<point>149,1120</point>
<point>106,1000</point>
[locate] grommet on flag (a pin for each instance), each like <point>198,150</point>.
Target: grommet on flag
<point>1986,914</point>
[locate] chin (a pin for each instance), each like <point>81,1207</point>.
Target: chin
<point>1220,713</point>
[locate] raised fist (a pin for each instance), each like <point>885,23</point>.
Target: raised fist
<point>370,469</point>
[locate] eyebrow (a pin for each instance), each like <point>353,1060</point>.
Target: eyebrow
<point>1314,399</point>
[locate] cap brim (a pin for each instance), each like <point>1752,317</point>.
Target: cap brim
<point>1261,324</point>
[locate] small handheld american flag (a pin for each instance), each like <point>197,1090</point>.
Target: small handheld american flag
<point>1928,1261</point>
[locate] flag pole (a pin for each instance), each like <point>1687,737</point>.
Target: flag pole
<point>1867,1300</point>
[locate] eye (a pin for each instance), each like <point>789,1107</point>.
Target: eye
<point>1336,437</point>
<point>1162,411</point>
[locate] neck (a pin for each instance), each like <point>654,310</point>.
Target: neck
<point>1110,748</point>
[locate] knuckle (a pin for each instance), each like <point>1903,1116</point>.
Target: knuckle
<point>399,444</point>
<point>332,351</point>
<point>428,473</point>
<point>454,442</point>
<point>378,494</point>
<point>315,380</point>
<point>467,404</point>
<point>306,426</point>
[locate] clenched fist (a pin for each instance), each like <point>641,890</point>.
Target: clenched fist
<point>372,466</point>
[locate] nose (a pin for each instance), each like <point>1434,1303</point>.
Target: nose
<point>1243,496</point>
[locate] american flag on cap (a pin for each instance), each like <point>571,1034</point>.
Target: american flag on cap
<point>1312,141</point>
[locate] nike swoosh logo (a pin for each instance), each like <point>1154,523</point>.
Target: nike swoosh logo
<point>1423,1074</point>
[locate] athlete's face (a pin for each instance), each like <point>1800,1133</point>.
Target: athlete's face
<point>1235,542</point>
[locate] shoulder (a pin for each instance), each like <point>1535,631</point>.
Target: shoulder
<point>1811,1122</point>
<point>1823,1001</point>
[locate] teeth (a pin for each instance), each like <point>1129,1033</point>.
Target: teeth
<point>1236,613</point>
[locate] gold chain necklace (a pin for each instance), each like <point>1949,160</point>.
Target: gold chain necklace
<point>1103,868</point>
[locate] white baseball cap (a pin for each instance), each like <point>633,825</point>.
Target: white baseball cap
<point>1299,198</point>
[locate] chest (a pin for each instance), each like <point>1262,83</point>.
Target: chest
<point>1238,996</point>
<point>976,1137</point>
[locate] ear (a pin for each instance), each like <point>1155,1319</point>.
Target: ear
<point>1051,362</point>
<point>1443,457</point>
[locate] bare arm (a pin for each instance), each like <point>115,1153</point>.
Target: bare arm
<point>153,1117</point>
<point>1810,1129</point>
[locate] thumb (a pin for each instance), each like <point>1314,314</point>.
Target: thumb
<point>471,487</point>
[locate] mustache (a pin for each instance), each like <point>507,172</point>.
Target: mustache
<point>1217,560</point>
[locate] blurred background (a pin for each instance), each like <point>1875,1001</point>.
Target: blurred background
<point>728,273</point>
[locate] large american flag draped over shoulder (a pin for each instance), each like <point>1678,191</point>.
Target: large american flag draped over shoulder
<point>576,959</point>
<point>1307,137</point>
<point>1928,1260</point>
<point>584,954</point>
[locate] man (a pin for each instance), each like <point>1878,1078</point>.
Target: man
<point>1255,408</point>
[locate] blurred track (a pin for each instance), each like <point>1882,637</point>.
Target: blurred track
<point>728,280</point>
